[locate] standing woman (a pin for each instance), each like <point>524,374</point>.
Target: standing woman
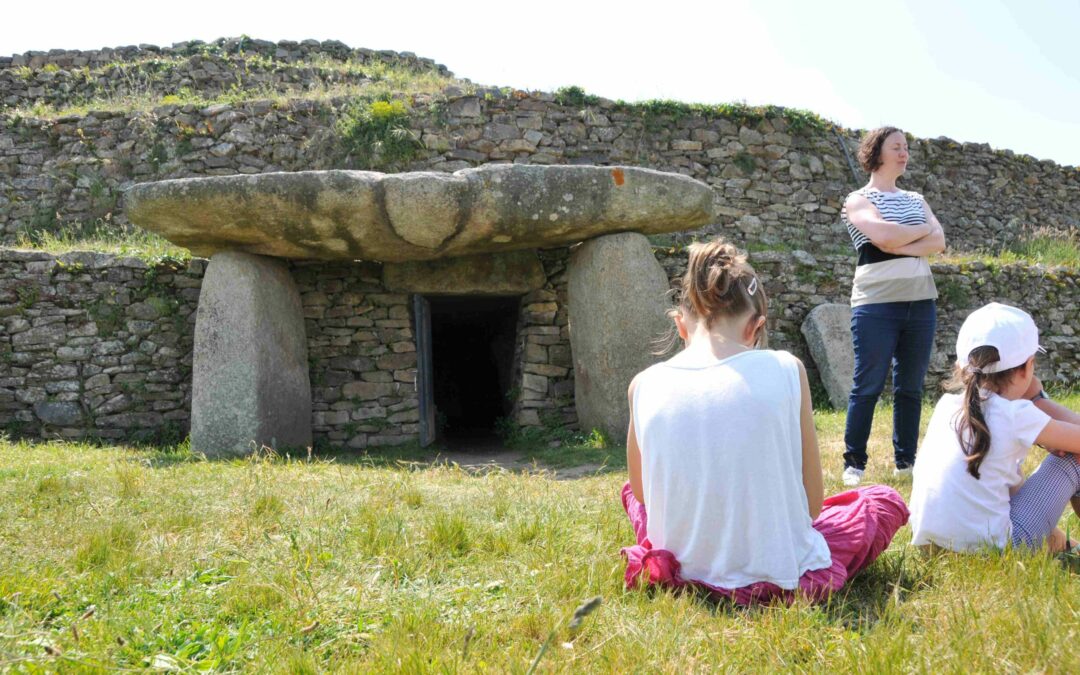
<point>893,313</point>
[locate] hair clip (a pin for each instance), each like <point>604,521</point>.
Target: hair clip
<point>751,287</point>
<point>975,369</point>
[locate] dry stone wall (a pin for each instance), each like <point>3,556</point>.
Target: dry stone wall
<point>62,77</point>
<point>774,184</point>
<point>210,75</point>
<point>95,345</point>
<point>289,51</point>
<point>362,354</point>
<point>544,395</point>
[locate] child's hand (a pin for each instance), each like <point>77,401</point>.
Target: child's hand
<point>1062,453</point>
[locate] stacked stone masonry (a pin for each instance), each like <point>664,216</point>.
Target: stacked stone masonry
<point>63,77</point>
<point>545,396</point>
<point>774,184</point>
<point>100,345</point>
<point>362,354</point>
<point>94,344</point>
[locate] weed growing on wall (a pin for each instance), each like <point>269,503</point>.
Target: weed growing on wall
<point>376,135</point>
<point>658,113</point>
<point>798,121</point>
<point>574,96</point>
<point>27,294</point>
<point>953,293</point>
<point>745,162</point>
<point>102,236</point>
<point>108,316</point>
<point>1049,248</point>
<point>1040,246</point>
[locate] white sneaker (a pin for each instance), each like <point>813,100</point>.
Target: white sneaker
<point>852,476</point>
<point>902,473</point>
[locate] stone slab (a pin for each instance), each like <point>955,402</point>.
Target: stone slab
<point>250,383</point>
<point>511,273</point>
<point>353,215</point>
<point>827,329</point>
<point>58,413</point>
<point>618,300</point>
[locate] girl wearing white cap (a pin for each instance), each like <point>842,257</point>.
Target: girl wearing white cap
<point>968,489</point>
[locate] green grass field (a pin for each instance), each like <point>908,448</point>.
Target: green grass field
<point>117,558</point>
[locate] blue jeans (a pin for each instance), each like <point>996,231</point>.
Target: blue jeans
<point>900,334</point>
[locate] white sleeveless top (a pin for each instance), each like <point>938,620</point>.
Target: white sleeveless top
<point>721,451</point>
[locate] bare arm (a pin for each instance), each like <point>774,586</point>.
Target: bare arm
<point>1061,436</point>
<point>931,243</point>
<point>884,234</point>
<point>812,479</point>
<point>1055,410</point>
<point>633,452</point>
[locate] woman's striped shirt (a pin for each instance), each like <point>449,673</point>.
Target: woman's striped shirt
<point>887,277</point>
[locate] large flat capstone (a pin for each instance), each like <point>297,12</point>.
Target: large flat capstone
<point>351,215</point>
<point>618,297</point>
<point>250,384</point>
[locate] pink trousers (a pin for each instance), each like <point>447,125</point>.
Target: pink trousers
<point>857,525</point>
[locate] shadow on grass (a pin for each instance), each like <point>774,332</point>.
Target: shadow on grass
<point>568,459</point>
<point>163,447</point>
<point>567,456</point>
<point>858,607</point>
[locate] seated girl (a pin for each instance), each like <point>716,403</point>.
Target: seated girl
<point>725,487</point>
<point>968,491</point>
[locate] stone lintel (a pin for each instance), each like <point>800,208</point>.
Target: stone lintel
<point>512,273</point>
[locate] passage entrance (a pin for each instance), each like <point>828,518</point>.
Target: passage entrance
<point>469,371</point>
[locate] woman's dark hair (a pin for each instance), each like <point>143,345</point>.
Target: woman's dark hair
<point>870,147</point>
<point>718,282</point>
<point>971,428</point>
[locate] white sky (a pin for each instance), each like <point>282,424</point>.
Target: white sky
<point>1004,72</point>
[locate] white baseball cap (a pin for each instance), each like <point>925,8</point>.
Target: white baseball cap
<point>1012,331</point>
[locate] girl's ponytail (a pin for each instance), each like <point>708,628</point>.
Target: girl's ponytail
<point>971,427</point>
<point>974,434</point>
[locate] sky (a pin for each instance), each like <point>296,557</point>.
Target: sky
<point>1003,72</point>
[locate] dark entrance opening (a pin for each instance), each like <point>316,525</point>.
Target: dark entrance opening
<point>472,349</point>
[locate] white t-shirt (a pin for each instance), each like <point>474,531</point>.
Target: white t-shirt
<point>721,451</point>
<point>949,507</point>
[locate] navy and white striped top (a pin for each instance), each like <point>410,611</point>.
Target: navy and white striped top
<point>888,277</point>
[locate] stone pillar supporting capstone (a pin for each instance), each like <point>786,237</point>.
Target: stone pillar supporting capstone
<point>617,292</point>
<point>250,383</point>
